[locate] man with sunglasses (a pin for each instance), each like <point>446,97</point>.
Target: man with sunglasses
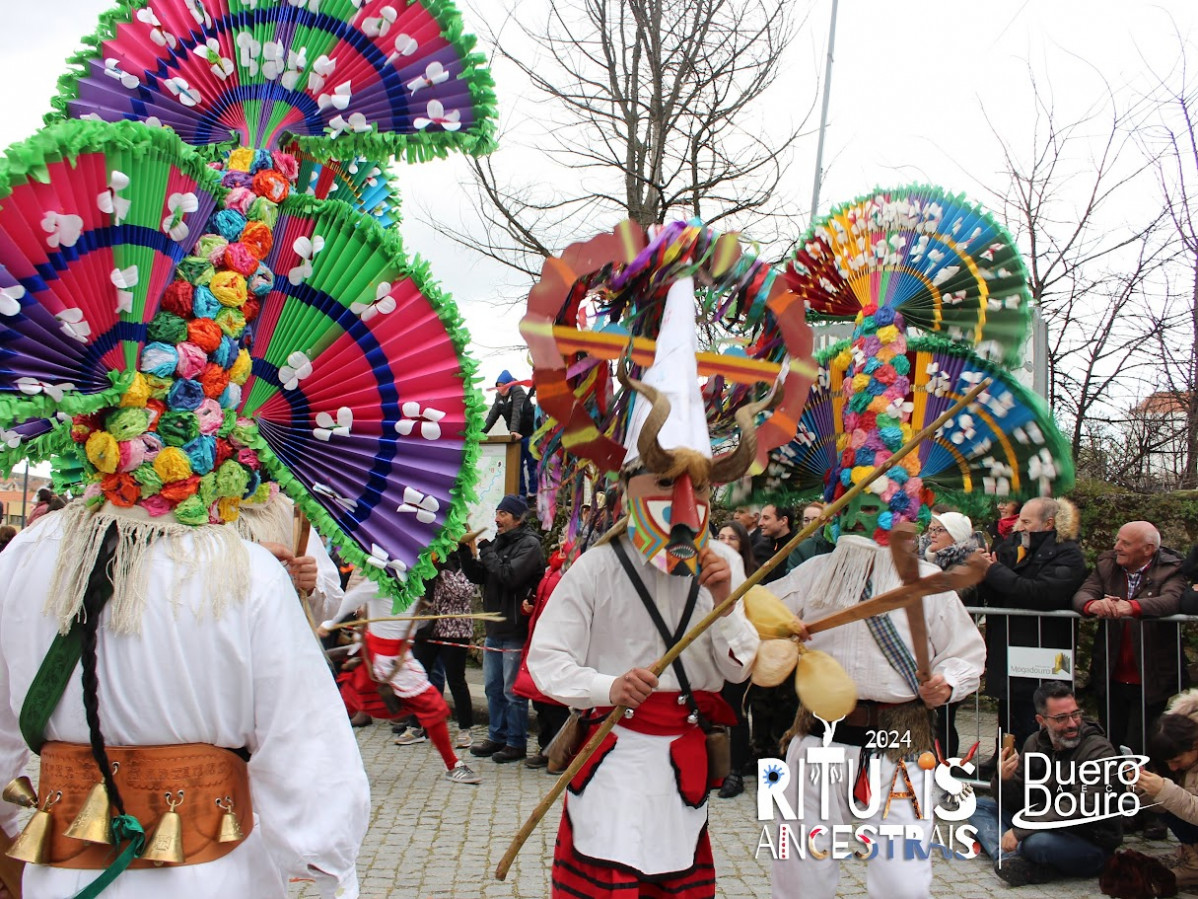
<point>1067,741</point>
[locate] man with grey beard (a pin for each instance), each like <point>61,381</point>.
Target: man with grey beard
<point>1065,741</point>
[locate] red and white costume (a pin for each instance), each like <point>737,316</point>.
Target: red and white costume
<point>637,811</point>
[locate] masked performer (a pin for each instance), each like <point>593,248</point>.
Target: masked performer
<point>178,314</point>
<point>635,818</point>
<point>890,260</point>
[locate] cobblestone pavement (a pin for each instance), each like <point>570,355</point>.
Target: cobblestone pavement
<point>430,838</point>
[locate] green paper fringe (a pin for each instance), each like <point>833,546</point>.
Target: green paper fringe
<point>387,243</point>
<point>1013,355</point>
<point>478,141</point>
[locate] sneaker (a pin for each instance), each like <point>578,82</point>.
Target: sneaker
<point>734,785</point>
<point>410,736</point>
<point>509,754</point>
<point>536,761</point>
<point>486,748</point>
<point>1018,871</point>
<point>465,739</point>
<point>398,729</point>
<point>461,773</point>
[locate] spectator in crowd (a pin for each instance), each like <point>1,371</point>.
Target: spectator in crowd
<point>734,536</point>
<point>448,640</point>
<point>1173,748</point>
<point>515,407</point>
<point>816,545</point>
<point>749,518</point>
<point>1006,523</point>
<point>46,502</point>
<point>1136,665</point>
<point>952,541</point>
<point>509,569</point>
<point>603,516</point>
<point>776,526</point>
<point>7,532</point>
<point>1039,571</point>
<point>551,714</point>
<point>1189,599</point>
<point>1064,741</point>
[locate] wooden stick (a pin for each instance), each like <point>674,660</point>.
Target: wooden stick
<point>695,632</point>
<point>302,532</point>
<point>478,616</point>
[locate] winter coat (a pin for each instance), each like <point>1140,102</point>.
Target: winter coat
<point>515,409</point>
<point>1159,595</point>
<point>1045,580</point>
<point>1181,796</point>
<point>1106,834</point>
<point>509,569</point>
<point>1189,599</point>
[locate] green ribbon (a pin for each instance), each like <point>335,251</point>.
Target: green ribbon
<point>48,686</point>
<point>124,827</point>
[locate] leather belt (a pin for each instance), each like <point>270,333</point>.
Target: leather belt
<point>205,773</point>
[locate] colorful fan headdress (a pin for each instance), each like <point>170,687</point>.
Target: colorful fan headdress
<point>939,297</point>
<point>204,334</point>
<point>640,300</point>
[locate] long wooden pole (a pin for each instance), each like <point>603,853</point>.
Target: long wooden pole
<point>695,632</point>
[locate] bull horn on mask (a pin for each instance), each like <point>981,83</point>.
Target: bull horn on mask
<point>733,466</point>
<point>654,457</point>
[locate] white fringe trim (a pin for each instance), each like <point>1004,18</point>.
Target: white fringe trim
<point>213,552</point>
<point>269,522</point>
<point>841,581</point>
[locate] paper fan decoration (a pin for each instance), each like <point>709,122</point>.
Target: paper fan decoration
<point>361,386</point>
<point>917,258</point>
<point>1004,444</point>
<point>335,77</point>
<point>364,185</point>
<point>603,300</point>
<point>943,264</point>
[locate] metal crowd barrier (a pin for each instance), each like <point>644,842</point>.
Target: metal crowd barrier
<point>989,741</point>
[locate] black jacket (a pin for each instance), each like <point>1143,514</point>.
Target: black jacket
<point>509,569</point>
<point>770,547</point>
<point>1045,581</point>
<point>516,410</point>
<point>1094,745</point>
<point>1189,599</point>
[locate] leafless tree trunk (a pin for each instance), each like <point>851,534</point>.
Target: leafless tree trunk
<point>651,108</point>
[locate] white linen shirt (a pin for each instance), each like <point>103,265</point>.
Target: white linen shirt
<point>253,678</point>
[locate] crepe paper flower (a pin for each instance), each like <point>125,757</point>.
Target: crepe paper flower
<point>103,452</point>
<point>158,34</point>
<point>405,45</point>
<point>434,74</point>
<point>11,439</point>
<point>964,429</point>
<point>64,229</point>
<point>322,70</point>
<point>74,325</point>
<point>343,501</point>
<point>122,279</point>
<point>222,67</point>
<point>298,367</point>
<point>179,205</point>
<point>271,185</point>
<point>379,558</point>
<point>296,63</point>
<point>273,60</point>
<point>383,303</point>
<point>177,429</point>
<point>178,491</point>
<point>111,201</point>
<point>378,27</point>
<point>112,68</point>
<point>121,489</point>
<point>184,92</point>
<point>306,249</point>
<point>231,398</point>
<point>356,123</point>
<point>436,115</point>
<point>938,382</point>
<point>10,299</point>
<point>430,429</point>
<point>155,504</point>
<point>327,426</point>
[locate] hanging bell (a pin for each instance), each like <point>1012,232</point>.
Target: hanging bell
<point>166,843</point>
<point>230,827</point>
<point>93,824</point>
<point>20,792</point>
<point>30,846</point>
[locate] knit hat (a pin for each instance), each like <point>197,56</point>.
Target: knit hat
<point>513,505</point>
<point>959,526</point>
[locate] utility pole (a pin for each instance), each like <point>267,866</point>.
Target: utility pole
<point>823,117</point>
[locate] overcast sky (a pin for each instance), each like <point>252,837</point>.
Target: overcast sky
<point>908,90</point>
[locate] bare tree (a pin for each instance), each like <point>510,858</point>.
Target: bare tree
<point>650,108</point>
<point>1090,268</point>
<point>1177,167</point>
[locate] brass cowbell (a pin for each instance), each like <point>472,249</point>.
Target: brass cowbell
<point>230,827</point>
<point>166,844</point>
<point>93,824</point>
<point>30,846</point>
<point>20,792</point>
